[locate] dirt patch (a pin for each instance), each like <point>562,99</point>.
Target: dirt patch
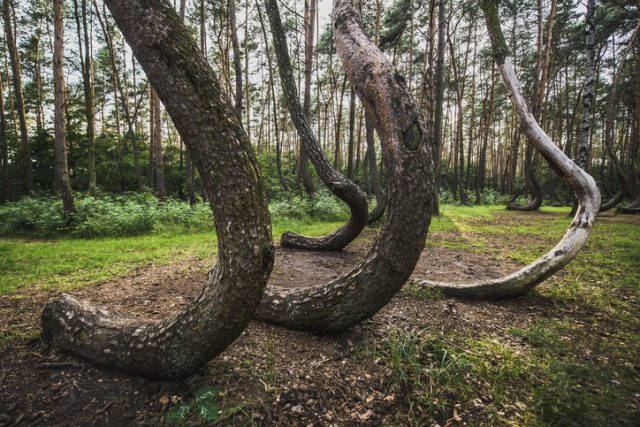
<point>270,375</point>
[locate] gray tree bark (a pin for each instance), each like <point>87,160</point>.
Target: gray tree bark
<point>205,117</point>
<point>339,185</point>
<point>582,184</point>
<point>407,158</point>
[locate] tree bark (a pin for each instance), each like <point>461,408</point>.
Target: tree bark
<point>60,164</point>
<point>582,183</point>
<point>202,112</point>
<point>407,157</point>
<point>342,187</point>
<point>18,93</point>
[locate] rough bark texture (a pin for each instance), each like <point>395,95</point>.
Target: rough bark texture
<point>206,120</point>
<point>16,72</point>
<point>342,187</point>
<point>582,183</point>
<point>407,157</point>
<point>60,164</point>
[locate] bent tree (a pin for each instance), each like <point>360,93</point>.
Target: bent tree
<point>408,161</point>
<point>209,125</point>
<point>578,180</point>
<point>339,185</point>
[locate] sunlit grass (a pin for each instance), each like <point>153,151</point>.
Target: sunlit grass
<point>65,263</point>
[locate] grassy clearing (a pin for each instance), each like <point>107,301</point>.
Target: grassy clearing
<point>575,364</point>
<point>65,263</point>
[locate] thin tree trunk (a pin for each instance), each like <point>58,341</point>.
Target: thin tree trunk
<point>237,63</point>
<point>582,183</point>
<point>376,214</point>
<point>439,78</point>
<point>310,7</point>
<point>283,182</point>
<point>156,143</point>
<point>18,94</point>
<point>408,161</point>
<point>609,126</point>
<point>5,192</point>
<point>60,164</point>
<point>86,65</point>
<point>180,345</point>
<point>342,187</point>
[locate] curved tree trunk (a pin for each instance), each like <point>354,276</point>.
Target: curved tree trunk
<point>582,183</point>
<point>407,157</point>
<point>179,345</point>
<point>342,187</point>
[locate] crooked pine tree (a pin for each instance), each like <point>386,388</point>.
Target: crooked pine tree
<point>340,186</point>
<point>575,177</point>
<point>408,160</point>
<point>211,129</point>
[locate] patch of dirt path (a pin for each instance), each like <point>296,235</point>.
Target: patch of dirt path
<point>280,377</point>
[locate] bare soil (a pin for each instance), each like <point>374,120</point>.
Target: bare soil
<point>276,376</point>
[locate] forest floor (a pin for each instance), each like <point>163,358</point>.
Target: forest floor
<point>568,353</point>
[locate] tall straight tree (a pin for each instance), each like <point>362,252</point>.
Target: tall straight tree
<point>5,191</point>
<point>310,7</point>
<point>60,164</point>
<point>588,94</point>
<point>156,146</point>
<point>438,114</point>
<point>237,64</point>
<point>86,65</point>
<point>16,71</point>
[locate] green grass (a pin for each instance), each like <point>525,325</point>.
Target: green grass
<point>65,263</point>
<point>569,357</point>
<point>574,363</point>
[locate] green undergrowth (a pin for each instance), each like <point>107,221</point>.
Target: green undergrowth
<point>66,262</point>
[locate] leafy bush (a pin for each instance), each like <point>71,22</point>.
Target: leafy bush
<point>122,215</point>
<point>322,207</point>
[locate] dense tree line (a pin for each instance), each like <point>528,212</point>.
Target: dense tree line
<point>75,104</point>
